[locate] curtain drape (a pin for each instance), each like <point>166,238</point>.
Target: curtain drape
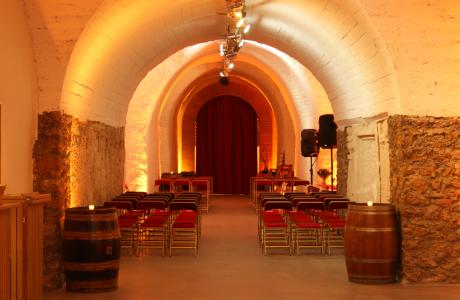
<point>227,144</point>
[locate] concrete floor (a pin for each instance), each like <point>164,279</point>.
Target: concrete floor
<point>230,266</point>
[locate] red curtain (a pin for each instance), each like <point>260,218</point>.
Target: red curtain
<point>227,144</point>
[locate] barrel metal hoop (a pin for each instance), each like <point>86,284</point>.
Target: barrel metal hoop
<point>367,229</point>
<point>93,266</point>
<point>96,236</point>
<point>373,213</point>
<point>92,286</point>
<point>372,278</point>
<point>106,217</point>
<point>371,260</point>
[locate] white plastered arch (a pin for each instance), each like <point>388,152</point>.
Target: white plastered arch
<point>122,42</point>
<point>126,38</point>
<point>295,85</point>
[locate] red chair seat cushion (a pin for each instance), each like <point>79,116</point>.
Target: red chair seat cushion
<point>275,224</point>
<point>184,225</point>
<point>308,225</point>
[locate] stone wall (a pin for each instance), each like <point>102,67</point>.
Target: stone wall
<point>425,188</point>
<point>77,163</point>
<point>52,175</point>
<point>342,162</point>
<point>97,163</point>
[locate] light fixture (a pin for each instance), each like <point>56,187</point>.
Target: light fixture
<point>233,41</point>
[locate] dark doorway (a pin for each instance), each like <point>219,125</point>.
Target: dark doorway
<point>226,144</point>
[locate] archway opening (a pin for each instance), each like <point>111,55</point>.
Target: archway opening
<point>227,144</point>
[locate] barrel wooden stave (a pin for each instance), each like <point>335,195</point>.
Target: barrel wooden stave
<point>91,250</point>
<point>371,243</point>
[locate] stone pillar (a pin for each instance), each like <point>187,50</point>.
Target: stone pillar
<point>52,175</point>
<point>78,163</point>
<point>425,188</point>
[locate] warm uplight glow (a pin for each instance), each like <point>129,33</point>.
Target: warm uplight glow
<point>246,29</point>
<point>369,203</point>
<point>141,181</point>
<point>91,207</point>
<point>73,166</point>
<point>240,23</point>
<point>238,14</point>
<point>231,66</point>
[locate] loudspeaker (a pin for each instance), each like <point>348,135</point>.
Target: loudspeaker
<point>327,133</point>
<point>308,143</point>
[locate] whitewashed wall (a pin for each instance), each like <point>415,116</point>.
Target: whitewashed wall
<point>18,98</point>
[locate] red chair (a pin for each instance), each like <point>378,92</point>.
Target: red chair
<point>334,227</point>
<point>128,222</point>
<point>154,231</point>
<point>276,225</point>
<point>339,206</point>
<point>202,186</point>
<point>260,185</point>
<point>164,185</point>
<point>308,232</point>
<point>182,185</point>
<point>184,233</point>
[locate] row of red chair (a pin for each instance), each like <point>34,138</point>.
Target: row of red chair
<point>297,220</point>
<point>202,185</point>
<point>149,221</point>
<point>260,184</point>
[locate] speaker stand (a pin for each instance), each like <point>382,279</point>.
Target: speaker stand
<point>332,171</point>
<point>311,170</point>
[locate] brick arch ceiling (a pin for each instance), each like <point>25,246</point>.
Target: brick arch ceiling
<point>124,40</point>
<point>238,88</point>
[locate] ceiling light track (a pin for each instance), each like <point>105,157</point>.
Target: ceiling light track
<point>234,39</point>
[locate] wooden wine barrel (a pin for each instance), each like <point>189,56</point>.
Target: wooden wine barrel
<point>372,243</point>
<point>91,249</point>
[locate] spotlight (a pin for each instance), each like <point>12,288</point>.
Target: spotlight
<point>233,41</point>
<point>223,80</point>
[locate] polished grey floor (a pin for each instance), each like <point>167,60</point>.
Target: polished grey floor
<point>230,266</point>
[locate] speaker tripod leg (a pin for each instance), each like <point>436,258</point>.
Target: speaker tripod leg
<point>311,170</point>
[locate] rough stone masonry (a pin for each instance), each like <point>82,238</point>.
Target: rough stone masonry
<point>425,188</point>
